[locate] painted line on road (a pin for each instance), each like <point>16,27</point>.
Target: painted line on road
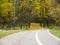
<point>53,35</point>
<point>36,36</point>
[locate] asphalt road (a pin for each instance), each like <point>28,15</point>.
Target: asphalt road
<point>47,39</point>
<point>37,37</point>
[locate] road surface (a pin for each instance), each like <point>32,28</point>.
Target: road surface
<point>37,37</point>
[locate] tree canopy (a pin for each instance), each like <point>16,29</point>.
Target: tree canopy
<point>24,12</point>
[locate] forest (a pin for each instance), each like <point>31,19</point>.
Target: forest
<point>18,13</point>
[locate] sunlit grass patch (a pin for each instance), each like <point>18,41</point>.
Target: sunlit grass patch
<point>34,26</point>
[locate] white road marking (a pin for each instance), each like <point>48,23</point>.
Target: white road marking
<point>53,35</point>
<point>36,36</point>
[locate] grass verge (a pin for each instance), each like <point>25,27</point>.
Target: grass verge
<point>55,32</point>
<point>4,33</point>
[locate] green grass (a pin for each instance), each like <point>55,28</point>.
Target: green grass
<point>55,32</point>
<point>4,33</point>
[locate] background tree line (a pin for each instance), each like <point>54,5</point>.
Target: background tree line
<point>24,12</point>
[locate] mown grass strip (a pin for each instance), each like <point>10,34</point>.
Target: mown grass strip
<point>4,33</point>
<point>55,32</point>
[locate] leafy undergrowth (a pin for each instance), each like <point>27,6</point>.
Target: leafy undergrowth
<point>55,32</point>
<point>4,33</point>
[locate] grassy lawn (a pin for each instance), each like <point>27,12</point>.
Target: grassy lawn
<point>4,33</point>
<point>55,32</point>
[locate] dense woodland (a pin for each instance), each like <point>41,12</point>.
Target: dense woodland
<point>24,12</point>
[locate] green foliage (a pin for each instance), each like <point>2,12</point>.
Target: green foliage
<point>24,12</point>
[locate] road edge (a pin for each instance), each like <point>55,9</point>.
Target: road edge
<point>53,35</point>
<point>37,39</point>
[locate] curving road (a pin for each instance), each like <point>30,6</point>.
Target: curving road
<point>37,37</point>
<point>47,39</point>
